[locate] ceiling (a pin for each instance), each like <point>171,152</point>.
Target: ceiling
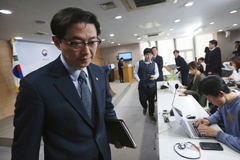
<point>200,14</point>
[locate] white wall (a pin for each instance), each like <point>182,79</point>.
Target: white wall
<point>165,49</point>
<point>202,41</point>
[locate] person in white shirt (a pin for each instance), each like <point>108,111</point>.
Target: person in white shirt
<point>201,60</point>
<point>235,61</point>
<point>146,73</point>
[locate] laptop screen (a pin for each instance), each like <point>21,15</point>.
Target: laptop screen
<point>181,122</point>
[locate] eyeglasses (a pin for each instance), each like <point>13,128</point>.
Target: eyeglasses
<point>80,45</point>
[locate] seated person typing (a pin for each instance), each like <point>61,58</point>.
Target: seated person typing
<point>196,69</point>
<point>217,92</point>
<point>235,61</point>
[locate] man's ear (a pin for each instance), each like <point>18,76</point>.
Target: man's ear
<point>221,94</point>
<point>56,42</point>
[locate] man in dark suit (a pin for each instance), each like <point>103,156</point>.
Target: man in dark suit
<point>120,70</point>
<point>237,49</point>
<point>181,67</point>
<point>214,60</point>
<point>159,60</point>
<point>67,100</point>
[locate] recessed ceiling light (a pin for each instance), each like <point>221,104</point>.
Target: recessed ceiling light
<point>4,11</point>
<point>168,34</point>
<point>18,38</point>
<point>234,11</point>
<point>188,4</point>
<point>178,20</point>
<point>52,42</point>
<point>235,24</point>
<point>212,23</point>
<point>220,30</point>
<point>103,40</point>
<point>118,17</point>
<point>111,35</point>
<point>112,42</point>
<point>119,44</point>
<point>135,34</point>
<point>139,38</point>
<point>171,29</point>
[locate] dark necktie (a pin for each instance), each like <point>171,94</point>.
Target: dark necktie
<point>153,59</point>
<point>86,95</point>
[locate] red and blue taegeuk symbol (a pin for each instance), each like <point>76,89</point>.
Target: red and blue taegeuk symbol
<point>44,52</point>
<point>17,72</point>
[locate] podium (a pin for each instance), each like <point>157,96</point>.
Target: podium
<point>127,73</point>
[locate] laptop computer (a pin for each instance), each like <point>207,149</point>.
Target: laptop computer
<point>188,126</point>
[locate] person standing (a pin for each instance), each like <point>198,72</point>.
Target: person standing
<point>237,49</point>
<point>181,67</point>
<point>120,70</point>
<point>206,50</point>
<point>67,100</point>
<point>146,72</point>
<point>228,101</point>
<point>213,59</point>
<point>159,60</point>
<point>201,61</point>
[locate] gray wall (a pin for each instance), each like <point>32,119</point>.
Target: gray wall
<point>227,45</point>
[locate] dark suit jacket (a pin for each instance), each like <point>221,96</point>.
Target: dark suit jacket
<point>214,60</point>
<point>237,52</point>
<point>159,61</point>
<point>120,70</point>
<point>48,105</point>
<point>181,64</point>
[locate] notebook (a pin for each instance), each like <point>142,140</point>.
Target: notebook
<point>188,126</point>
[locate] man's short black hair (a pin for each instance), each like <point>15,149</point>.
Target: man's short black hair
<point>212,85</point>
<point>155,47</point>
<point>214,42</point>
<point>147,50</point>
<point>121,58</point>
<point>176,51</point>
<point>237,42</point>
<point>69,16</point>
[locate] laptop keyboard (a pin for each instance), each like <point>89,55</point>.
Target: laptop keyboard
<point>195,130</point>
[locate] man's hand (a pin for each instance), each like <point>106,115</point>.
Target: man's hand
<point>233,68</point>
<point>199,121</point>
<point>181,90</point>
<point>209,72</point>
<point>203,129</point>
<point>118,145</point>
<point>152,78</point>
<point>228,78</point>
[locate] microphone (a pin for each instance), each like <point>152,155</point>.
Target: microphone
<point>171,112</point>
<point>176,87</point>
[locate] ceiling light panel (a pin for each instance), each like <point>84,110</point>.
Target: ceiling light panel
<point>188,4</point>
<point>4,11</point>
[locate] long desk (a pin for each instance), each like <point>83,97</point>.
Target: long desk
<point>169,137</point>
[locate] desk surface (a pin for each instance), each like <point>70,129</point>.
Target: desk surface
<point>169,137</point>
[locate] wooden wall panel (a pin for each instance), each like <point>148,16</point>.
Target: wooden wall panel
<point>96,59</point>
<point>7,88</point>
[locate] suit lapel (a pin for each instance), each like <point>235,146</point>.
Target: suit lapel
<point>65,85</point>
